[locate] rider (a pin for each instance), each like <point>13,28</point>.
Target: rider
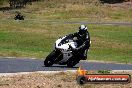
<point>83,41</point>
<point>19,16</point>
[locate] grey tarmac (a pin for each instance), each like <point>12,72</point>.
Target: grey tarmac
<point>15,65</point>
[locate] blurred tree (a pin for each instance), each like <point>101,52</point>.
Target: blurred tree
<point>2,1</point>
<point>20,3</point>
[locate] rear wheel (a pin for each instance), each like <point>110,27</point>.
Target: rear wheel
<point>72,62</point>
<point>22,18</point>
<point>50,59</point>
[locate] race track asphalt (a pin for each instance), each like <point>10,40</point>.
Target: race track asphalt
<point>14,65</point>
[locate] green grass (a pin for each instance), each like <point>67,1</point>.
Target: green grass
<point>18,37</point>
<point>109,43</point>
<point>75,10</point>
<point>35,38</point>
<point>112,43</point>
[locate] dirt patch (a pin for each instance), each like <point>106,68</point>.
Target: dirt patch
<point>39,80</point>
<point>56,80</point>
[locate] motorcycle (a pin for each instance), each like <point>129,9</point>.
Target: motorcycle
<point>19,17</point>
<point>63,53</point>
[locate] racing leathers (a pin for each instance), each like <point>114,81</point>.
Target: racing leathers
<point>83,43</point>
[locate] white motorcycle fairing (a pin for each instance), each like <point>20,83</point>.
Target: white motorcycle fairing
<point>65,48</point>
<point>66,45</point>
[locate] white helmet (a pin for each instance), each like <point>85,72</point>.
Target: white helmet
<point>83,27</point>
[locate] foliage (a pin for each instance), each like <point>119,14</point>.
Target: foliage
<point>2,1</point>
<point>113,1</point>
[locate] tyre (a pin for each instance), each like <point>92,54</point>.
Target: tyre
<point>59,58</point>
<point>72,62</point>
<point>15,18</point>
<point>50,59</point>
<point>22,18</point>
<point>81,80</point>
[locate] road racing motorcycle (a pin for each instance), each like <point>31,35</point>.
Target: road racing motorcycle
<point>63,53</point>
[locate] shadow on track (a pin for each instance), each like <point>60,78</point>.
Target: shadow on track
<point>61,66</point>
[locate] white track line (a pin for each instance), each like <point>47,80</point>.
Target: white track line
<point>44,72</point>
<point>54,72</point>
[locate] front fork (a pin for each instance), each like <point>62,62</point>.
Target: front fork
<point>59,55</point>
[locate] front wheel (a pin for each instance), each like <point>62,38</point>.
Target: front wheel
<point>50,59</point>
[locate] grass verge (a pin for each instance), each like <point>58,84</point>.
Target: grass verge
<point>34,37</point>
<point>109,43</point>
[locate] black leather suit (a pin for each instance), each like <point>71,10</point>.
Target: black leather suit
<point>83,43</point>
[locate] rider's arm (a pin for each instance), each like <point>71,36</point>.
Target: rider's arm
<point>68,37</point>
<point>86,43</point>
<point>84,46</point>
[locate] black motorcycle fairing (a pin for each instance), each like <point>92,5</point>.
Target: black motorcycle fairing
<point>52,58</point>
